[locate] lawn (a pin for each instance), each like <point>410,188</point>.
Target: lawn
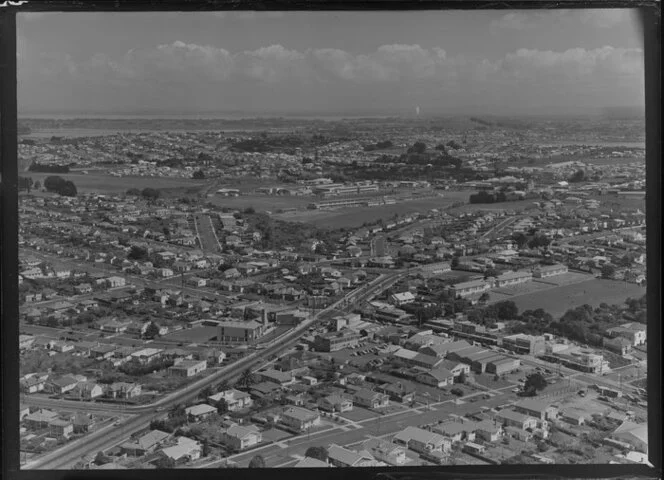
<point>558,300</point>
<point>358,413</point>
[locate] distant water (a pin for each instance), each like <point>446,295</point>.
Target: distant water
<point>195,116</point>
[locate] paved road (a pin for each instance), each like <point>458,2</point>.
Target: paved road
<point>357,431</point>
<point>68,455</point>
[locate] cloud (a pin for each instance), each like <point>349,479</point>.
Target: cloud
<point>604,18</point>
<point>513,21</point>
<point>275,74</point>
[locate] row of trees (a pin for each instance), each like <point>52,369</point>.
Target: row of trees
<point>42,168</point>
<point>147,193</point>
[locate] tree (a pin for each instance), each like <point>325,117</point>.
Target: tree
<point>150,193</point>
<point>535,382</point>
<point>37,185</point>
<point>455,262</point>
<point>490,272</point>
<point>608,271</point>
<point>207,392</point>
<point>165,462</point>
<point>418,147</point>
<point>101,459</point>
<point>134,192</point>
<point>250,210</point>
<point>484,297</point>
<point>206,448</point>
<point>257,462</point>
<point>137,253</point>
<point>68,189</point>
<point>319,453</point>
<point>462,377</point>
<point>198,175</point>
<point>579,176</point>
<point>151,331</point>
<point>247,378</point>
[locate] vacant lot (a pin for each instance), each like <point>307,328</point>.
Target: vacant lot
<point>194,335</point>
<point>557,300</point>
<point>109,184</point>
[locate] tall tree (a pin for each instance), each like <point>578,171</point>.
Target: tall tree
<point>257,462</point>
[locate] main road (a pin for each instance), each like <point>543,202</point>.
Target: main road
<point>68,455</point>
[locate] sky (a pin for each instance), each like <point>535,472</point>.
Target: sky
<point>494,62</point>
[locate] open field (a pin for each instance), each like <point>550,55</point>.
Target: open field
<point>558,300</point>
<point>262,202</point>
<point>194,335</point>
<point>356,216</point>
<point>109,184</point>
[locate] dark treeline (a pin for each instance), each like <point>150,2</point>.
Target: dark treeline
<point>41,168</point>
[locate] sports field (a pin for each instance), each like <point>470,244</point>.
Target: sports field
<point>557,300</point>
<point>356,216</point>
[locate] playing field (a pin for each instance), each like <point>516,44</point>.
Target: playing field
<point>558,300</point>
<point>356,216</point>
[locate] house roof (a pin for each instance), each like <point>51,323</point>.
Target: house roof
<point>532,404</point>
<point>309,462</point>
<point>419,435</point>
<point>439,374</point>
<point>239,431</point>
<point>152,438</point>
<point>200,409</point>
<point>300,413</point>
<point>345,456</point>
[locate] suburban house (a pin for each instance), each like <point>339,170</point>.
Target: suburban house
<point>199,412</point>
<point>422,441</point>
<point>370,399</point>
<point>511,418</point>
<point>403,298</point>
<point>185,450</point>
<point>385,451</point>
<point>88,390</point>
<point>60,428</point>
<point>537,409</point>
<point>299,418</point>
<point>187,368</point>
<point>238,438</point>
<point>275,376</point>
<point>146,443</point>
<point>335,403</point>
<point>397,392</point>
<point>234,399</point>
<point>456,431</point>
<point>39,419</point>
<point>123,390</point>
<point>488,431</point>
<point>439,377</point>
<point>342,457</point>
<point>62,385</point>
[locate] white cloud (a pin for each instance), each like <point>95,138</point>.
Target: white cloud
<point>604,18</point>
<point>276,74</point>
<point>513,21</point>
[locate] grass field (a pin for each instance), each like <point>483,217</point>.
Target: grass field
<point>194,335</point>
<point>558,300</point>
<point>109,184</point>
<point>356,216</point>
